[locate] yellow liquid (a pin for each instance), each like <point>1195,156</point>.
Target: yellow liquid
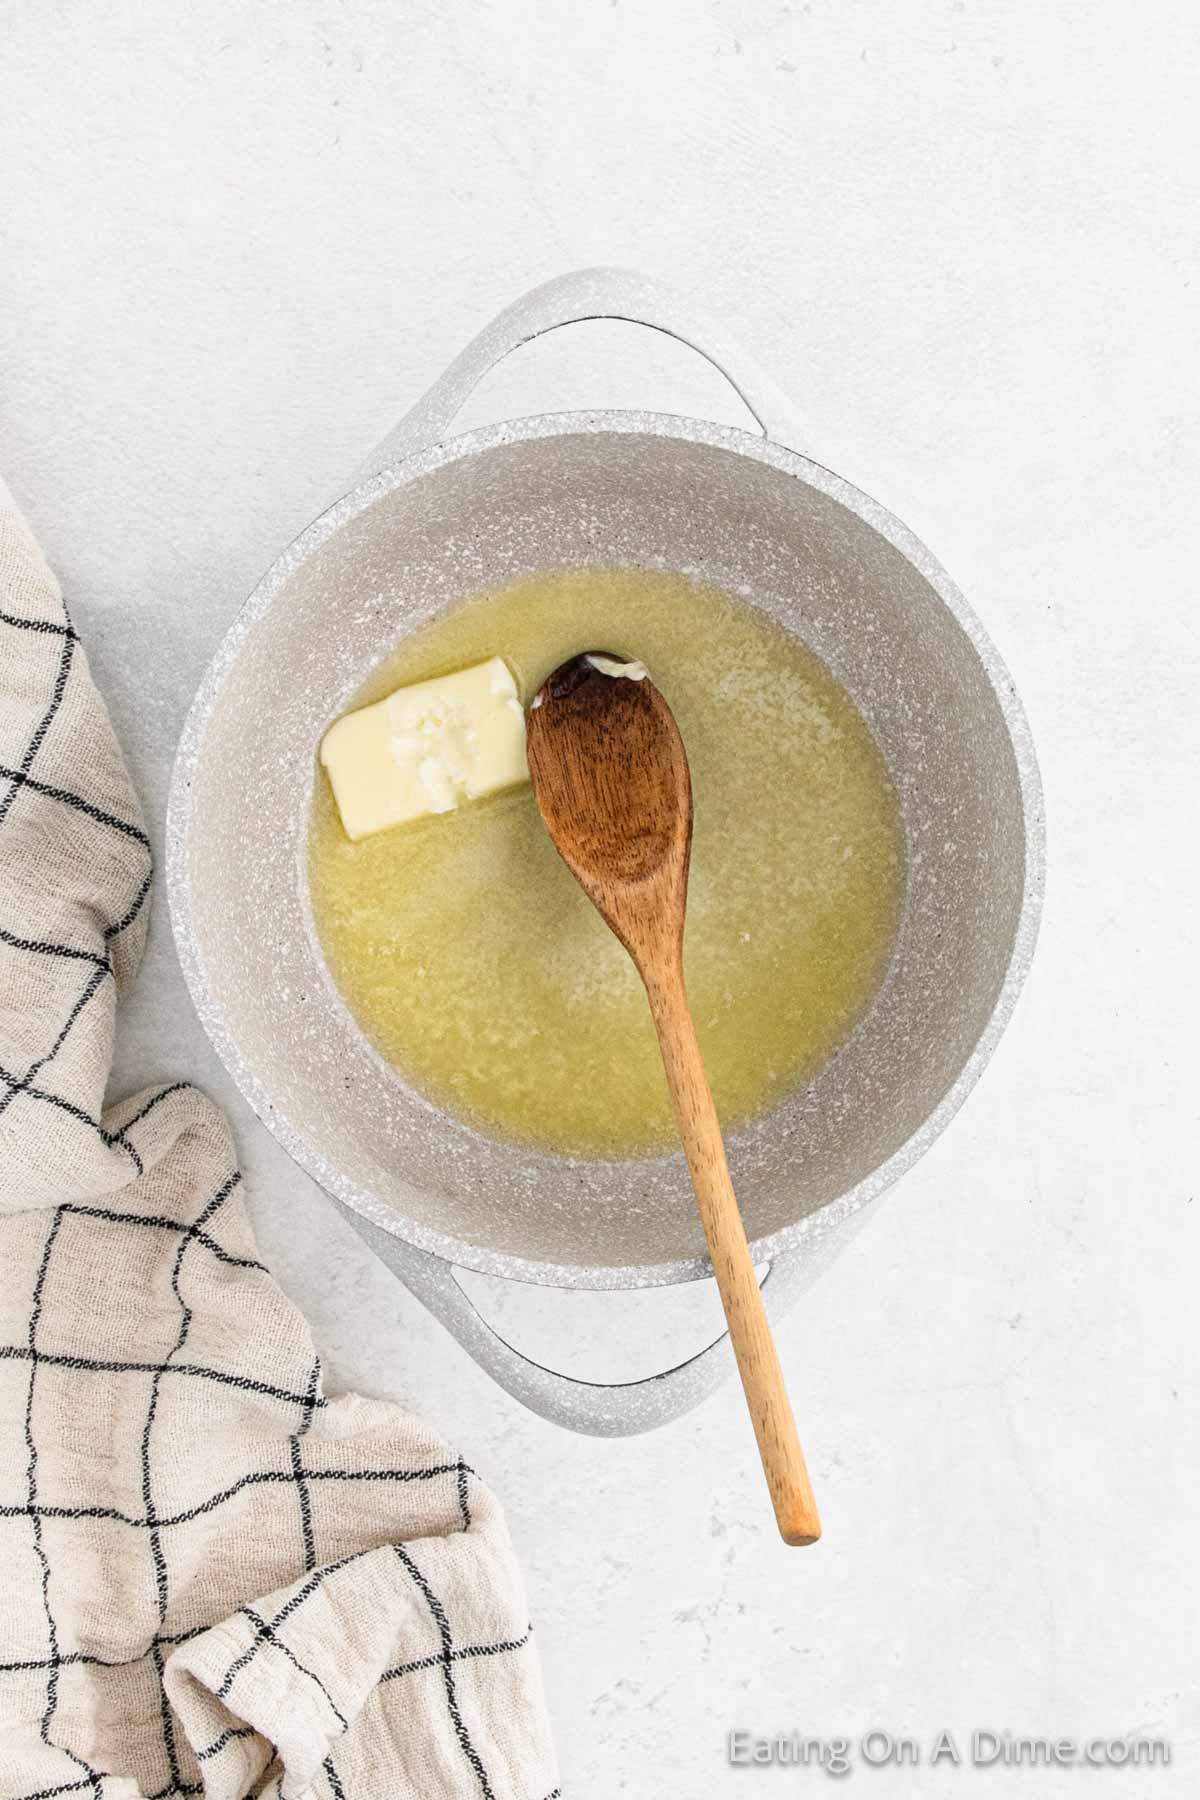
<point>473,962</point>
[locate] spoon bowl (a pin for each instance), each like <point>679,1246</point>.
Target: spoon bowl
<point>611,779</point>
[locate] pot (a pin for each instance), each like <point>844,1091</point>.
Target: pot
<point>437,517</point>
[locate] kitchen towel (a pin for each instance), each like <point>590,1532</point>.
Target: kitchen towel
<point>217,1579</point>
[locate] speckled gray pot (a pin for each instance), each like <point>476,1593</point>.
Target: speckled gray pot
<point>437,519</point>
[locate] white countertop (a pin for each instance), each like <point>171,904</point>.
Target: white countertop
<point>237,243</point>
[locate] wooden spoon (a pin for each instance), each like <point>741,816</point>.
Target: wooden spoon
<point>610,776</point>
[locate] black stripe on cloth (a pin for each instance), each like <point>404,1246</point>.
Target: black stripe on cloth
<point>20,779</point>
<point>233,1262</point>
<point>266,1634</point>
<point>160,1222</point>
<point>41,948</point>
<point>463,1506</point>
<point>247,1383</point>
<point>306,1530</point>
<point>464,1654</point>
<point>139,900</point>
<point>156,1548</point>
<point>20,775</point>
<point>160,1568</point>
<point>19,1087</point>
<point>167,1722</point>
<point>335,1786</point>
<point>24,1084</point>
<point>46,626</point>
<point>105,1662</point>
<point>35,1312</point>
<point>310,1587</point>
<point>298,1598</point>
<point>226,1737</point>
<point>155,1221</point>
<point>118,1137</point>
<point>64,1787</point>
<point>443,1625</point>
<point>298,1470</point>
<point>311,1401</point>
<point>255,1479</point>
<point>46,1662</point>
<point>382,1475</point>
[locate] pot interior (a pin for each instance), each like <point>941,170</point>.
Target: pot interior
<point>574,496</point>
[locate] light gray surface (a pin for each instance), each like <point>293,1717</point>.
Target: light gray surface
<point>965,237</point>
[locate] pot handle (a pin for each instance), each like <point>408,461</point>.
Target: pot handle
<point>567,300</point>
<point>598,1409</point>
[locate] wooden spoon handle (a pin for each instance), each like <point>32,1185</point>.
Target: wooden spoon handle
<point>753,1345</point>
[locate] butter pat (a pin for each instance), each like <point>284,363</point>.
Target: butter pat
<point>426,748</point>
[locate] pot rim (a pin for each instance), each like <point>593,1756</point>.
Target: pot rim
<point>803,1232</point>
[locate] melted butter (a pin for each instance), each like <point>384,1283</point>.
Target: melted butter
<point>474,963</point>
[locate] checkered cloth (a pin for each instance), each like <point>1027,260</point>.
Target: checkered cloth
<point>216,1578</point>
